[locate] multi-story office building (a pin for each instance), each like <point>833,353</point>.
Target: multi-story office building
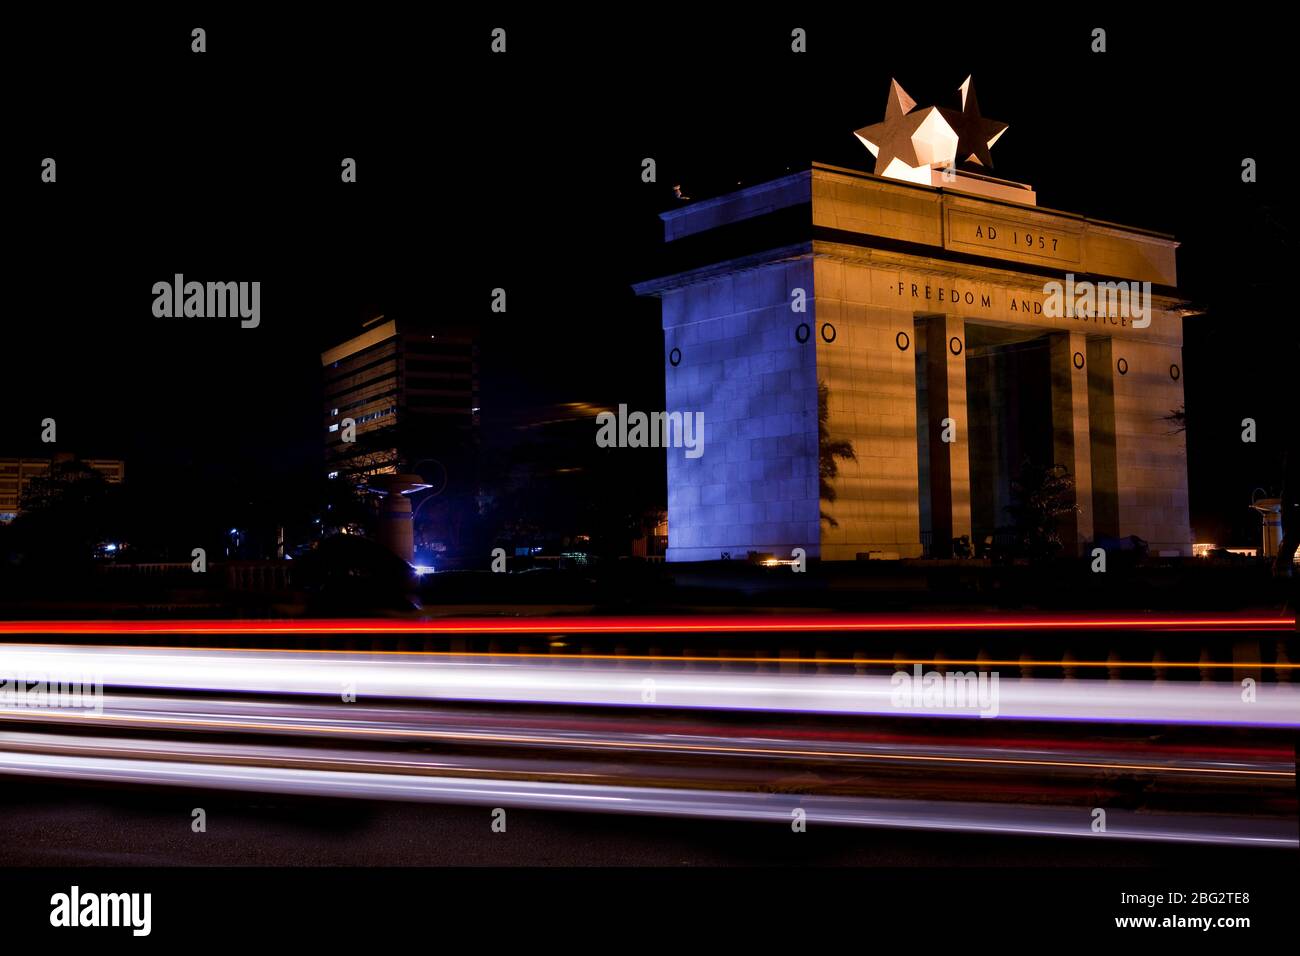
<point>17,473</point>
<point>406,392</point>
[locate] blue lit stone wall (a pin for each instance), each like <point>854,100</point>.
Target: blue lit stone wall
<point>741,363</point>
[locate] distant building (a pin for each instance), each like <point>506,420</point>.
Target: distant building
<point>653,542</point>
<point>17,473</point>
<point>410,389</point>
<point>401,423</point>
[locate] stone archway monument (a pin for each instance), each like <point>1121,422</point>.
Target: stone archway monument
<point>867,283</point>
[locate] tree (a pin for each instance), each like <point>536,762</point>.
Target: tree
<point>1177,418</point>
<point>65,513</point>
<point>1042,495</point>
<point>344,504</point>
<point>828,450</point>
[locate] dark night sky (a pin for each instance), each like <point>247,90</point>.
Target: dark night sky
<point>523,171</point>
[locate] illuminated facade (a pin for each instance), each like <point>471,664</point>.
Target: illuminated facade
<point>931,314</point>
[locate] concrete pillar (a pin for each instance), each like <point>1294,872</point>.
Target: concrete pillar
<point>1101,431</point>
<point>1071,441</point>
<point>945,357</point>
<point>395,529</point>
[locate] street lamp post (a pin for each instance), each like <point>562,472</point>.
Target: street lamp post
<point>431,495</point>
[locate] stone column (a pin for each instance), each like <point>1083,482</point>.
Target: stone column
<point>945,357</point>
<point>1071,441</point>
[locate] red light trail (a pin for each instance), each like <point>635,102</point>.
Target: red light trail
<point>661,624</point>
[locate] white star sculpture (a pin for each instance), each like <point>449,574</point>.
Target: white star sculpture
<point>908,145</point>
